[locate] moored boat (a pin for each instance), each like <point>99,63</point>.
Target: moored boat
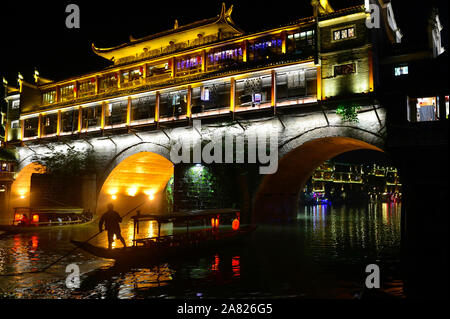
<point>179,245</point>
<point>33,218</point>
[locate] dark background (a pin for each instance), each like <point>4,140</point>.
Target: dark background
<point>34,33</point>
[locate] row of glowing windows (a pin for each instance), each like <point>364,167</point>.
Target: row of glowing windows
<point>345,33</point>
<point>49,97</point>
<point>258,86</point>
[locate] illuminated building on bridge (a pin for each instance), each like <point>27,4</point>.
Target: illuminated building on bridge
<point>204,69</point>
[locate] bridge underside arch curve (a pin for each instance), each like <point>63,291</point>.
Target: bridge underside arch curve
<point>20,194</point>
<point>138,178</point>
<point>277,195</point>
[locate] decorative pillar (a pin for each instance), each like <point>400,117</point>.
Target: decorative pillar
<point>96,85</point>
<point>283,42</point>
<point>80,119</point>
<point>189,97</point>
<point>39,133</point>
<point>57,94</point>
<point>157,107</point>
<point>22,129</point>
<point>273,91</point>
<point>319,83</point>
<point>75,90</point>
<point>144,72</point>
<point>58,123</point>
<point>245,51</point>
<point>204,68</point>
<point>117,75</point>
<point>129,111</point>
<point>172,67</point>
<point>102,119</point>
<point>232,95</point>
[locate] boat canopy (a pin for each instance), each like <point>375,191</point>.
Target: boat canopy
<point>50,210</point>
<point>185,216</point>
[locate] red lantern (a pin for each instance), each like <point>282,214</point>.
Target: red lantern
<point>35,218</point>
<point>215,222</point>
<point>18,217</point>
<point>235,224</point>
<point>92,80</point>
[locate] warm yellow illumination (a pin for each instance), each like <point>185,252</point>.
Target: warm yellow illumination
<point>20,189</point>
<point>132,191</point>
<point>232,94</point>
<point>150,193</point>
<point>139,177</point>
<point>113,197</point>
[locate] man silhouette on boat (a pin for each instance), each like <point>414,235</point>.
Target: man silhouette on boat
<point>111,219</point>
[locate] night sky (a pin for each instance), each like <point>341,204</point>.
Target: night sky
<point>34,33</point>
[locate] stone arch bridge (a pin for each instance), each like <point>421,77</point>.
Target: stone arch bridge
<point>136,164</point>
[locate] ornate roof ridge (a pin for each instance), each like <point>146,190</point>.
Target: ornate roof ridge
<point>224,16</point>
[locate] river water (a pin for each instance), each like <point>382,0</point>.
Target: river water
<point>323,253</point>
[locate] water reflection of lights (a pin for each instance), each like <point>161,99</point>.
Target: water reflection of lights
<point>215,265</point>
<point>236,266</point>
<point>353,228</point>
<point>144,279</point>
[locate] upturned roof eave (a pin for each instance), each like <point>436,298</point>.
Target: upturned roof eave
<point>222,17</point>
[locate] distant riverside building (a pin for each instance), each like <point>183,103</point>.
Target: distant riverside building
<point>332,179</point>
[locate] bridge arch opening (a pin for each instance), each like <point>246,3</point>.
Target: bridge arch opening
<point>20,195</point>
<point>277,195</point>
<point>139,178</point>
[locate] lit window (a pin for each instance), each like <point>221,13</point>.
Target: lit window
<point>401,70</point>
<point>49,97</point>
<point>351,32</point>
<point>423,109</point>
<point>344,33</point>
<point>337,35</point>
<point>204,95</point>
<point>15,104</point>
<point>15,124</point>
<point>257,98</point>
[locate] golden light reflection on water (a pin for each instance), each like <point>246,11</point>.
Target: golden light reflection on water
<point>144,279</point>
<point>147,229</point>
